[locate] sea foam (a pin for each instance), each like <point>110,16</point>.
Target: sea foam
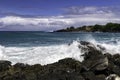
<point>50,54</point>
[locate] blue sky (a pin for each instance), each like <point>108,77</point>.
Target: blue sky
<point>49,15</point>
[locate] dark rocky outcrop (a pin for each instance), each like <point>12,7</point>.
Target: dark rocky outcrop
<point>95,66</point>
<point>4,65</point>
<point>93,57</point>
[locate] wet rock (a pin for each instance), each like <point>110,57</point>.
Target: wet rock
<point>86,46</point>
<point>113,64</point>
<point>100,77</point>
<point>101,47</point>
<point>20,66</point>
<point>84,43</point>
<point>95,61</point>
<point>71,63</point>
<point>89,75</point>
<point>64,76</point>
<point>95,66</point>
<point>109,56</point>
<point>116,59</point>
<point>113,77</point>
<point>93,57</point>
<point>4,65</point>
<point>65,69</point>
<point>67,65</point>
<point>115,69</point>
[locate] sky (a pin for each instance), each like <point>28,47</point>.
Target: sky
<point>50,15</point>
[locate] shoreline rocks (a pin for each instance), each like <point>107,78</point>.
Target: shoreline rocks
<point>95,66</point>
<point>113,77</point>
<point>4,65</point>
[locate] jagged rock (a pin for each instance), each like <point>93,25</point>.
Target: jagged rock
<point>113,65</point>
<point>95,66</point>
<point>94,59</point>
<point>4,65</point>
<point>109,56</point>
<point>86,46</point>
<point>15,76</point>
<point>72,63</point>
<point>115,69</point>
<point>20,66</point>
<point>116,59</point>
<point>65,69</point>
<point>85,43</point>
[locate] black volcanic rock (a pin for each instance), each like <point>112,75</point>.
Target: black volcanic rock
<point>4,65</point>
<point>93,58</point>
<point>100,77</point>
<point>95,66</point>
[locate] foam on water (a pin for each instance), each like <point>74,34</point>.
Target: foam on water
<point>49,54</point>
<point>41,54</point>
<point>2,51</point>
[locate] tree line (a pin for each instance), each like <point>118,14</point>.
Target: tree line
<point>109,27</point>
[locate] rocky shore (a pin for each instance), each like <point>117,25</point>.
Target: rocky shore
<point>95,66</point>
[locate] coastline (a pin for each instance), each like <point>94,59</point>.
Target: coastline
<point>95,66</point>
<point>109,27</point>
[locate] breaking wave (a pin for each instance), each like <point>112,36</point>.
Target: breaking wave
<point>53,53</point>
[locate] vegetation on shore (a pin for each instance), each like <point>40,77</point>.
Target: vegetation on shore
<point>109,27</point>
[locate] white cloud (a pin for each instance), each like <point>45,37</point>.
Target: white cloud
<point>75,16</point>
<point>34,23</point>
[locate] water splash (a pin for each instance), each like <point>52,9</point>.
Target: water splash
<point>50,54</point>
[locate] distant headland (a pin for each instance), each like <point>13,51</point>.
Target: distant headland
<point>109,27</point>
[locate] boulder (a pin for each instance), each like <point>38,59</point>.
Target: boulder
<point>71,63</point>
<point>113,64</point>
<point>4,65</point>
<point>98,65</point>
<point>93,58</point>
<point>95,66</point>
<point>20,66</point>
<point>116,59</point>
<point>86,46</point>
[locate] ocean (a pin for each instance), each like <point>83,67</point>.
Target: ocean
<point>49,47</point>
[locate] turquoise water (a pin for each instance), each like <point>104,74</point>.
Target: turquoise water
<point>48,47</point>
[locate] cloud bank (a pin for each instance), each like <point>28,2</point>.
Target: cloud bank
<point>72,16</point>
